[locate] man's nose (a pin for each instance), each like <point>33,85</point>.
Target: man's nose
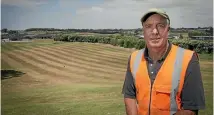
<point>155,31</point>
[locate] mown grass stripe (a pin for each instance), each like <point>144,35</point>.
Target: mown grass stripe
<point>44,69</point>
<point>17,64</point>
<point>106,47</point>
<point>103,66</point>
<point>58,69</point>
<point>70,57</point>
<point>84,53</point>
<point>74,47</point>
<point>87,51</point>
<point>5,64</point>
<point>109,55</point>
<point>11,46</point>
<point>98,50</point>
<point>60,66</point>
<point>85,66</point>
<point>69,46</point>
<point>105,58</point>
<point>93,47</point>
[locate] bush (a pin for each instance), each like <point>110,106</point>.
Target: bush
<point>113,41</point>
<point>140,44</point>
<point>132,42</point>
<point>196,45</point>
<point>120,42</point>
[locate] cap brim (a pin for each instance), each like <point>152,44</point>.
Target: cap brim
<point>148,14</point>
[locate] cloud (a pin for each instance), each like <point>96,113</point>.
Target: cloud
<point>24,3</point>
<point>94,9</point>
<point>104,13</point>
<point>71,4</point>
<point>127,13</point>
<point>97,9</point>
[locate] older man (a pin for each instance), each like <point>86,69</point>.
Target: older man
<point>162,78</point>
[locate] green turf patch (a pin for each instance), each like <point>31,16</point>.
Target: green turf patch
<point>75,99</point>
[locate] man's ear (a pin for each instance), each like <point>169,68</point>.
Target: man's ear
<point>168,28</point>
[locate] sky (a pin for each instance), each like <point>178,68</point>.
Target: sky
<point>101,14</point>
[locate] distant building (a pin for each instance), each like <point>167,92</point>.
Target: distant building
<point>202,37</point>
<point>5,40</point>
<point>29,36</point>
<point>140,36</point>
<point>173,36</point>
<point>5,36</point>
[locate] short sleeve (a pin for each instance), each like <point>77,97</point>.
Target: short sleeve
<point>192,95</point>
<point>129,90</point>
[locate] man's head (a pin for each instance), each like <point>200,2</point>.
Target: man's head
<point>155,28</point>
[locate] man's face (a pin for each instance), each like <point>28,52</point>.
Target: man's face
<point>155,31</point>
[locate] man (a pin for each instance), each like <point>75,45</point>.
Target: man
<point>162,78</point>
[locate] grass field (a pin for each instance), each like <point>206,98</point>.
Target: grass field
<point>55,78</point>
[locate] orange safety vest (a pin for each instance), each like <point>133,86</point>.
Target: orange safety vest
<point>163,97</point>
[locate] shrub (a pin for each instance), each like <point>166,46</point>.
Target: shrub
<point>132,42</point>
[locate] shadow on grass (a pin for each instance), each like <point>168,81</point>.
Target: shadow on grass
<point>7,74</point>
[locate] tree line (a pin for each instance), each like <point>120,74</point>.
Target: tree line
<point>133,42</point>
<point>201,33</point>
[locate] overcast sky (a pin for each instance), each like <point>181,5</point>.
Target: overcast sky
<point>100,14</point>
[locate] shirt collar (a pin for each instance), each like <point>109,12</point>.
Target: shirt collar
<point>146,54</point>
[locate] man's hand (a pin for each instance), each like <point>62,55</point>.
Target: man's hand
<point>185,112</point>
<point>131,106</point>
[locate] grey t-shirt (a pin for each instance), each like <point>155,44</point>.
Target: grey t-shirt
<point>192,95</point>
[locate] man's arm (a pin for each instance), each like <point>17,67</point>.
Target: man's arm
<point>192,95</point>
<point>129,92</point>
<point>185,112</point>
<point>131,107</point>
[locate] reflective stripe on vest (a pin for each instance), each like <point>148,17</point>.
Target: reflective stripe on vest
<point>175,76</point>
<point>136,62</point>
<point>175,80</point>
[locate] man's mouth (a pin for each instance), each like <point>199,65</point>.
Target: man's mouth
<point>155,38</point>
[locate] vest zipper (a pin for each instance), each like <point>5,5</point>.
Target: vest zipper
<point>150,97</point>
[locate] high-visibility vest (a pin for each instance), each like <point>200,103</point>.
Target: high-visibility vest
<point>163,97</point>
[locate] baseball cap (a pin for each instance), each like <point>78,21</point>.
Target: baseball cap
<point>154,11</point>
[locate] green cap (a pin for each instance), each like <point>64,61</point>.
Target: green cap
<point>154,11</point>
